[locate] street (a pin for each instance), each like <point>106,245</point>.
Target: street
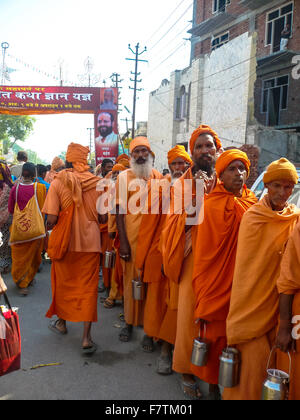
<point>118,371</point>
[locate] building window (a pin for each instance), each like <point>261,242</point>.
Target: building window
<point>276,22</point>
<point>219,6</point>
<point>220,40</point>
<point>181,104</point>
<point>275,99</point>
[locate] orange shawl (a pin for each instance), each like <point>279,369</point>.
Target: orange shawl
<point>148,258</point>
<point>289,279</point>
<point>174,239</point>
<point>254,298</point>
<point>215,251</point>
<point>60,237</point>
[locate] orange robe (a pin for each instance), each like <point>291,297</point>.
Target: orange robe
<point>253,314</point>
<point>27,257</point>
<point>214,261</point>
<point>177,250</point>
<point>289,284</point>
<point>149,262</point>
<point>116,290</point>
<point>75,269</point>
<point>133,310</point>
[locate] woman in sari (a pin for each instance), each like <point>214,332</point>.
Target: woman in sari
<point>5,218</point>
<point>28,230</point>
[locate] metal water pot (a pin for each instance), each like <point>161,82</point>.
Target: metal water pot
<point>200,350</point>
<point>109,259</point>
<point>229,373</point>
<point>276,386</point>
<point>138,289</point>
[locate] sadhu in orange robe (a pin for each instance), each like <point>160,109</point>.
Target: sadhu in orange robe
<point>214,261</point>
<point>289,284</point>
<point>148,260</point>
<point>133,310</point>
<point>253,315</point>
<point>177,246</point>
<point>74,246</point>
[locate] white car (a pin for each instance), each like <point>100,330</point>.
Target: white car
<point>260,191</point>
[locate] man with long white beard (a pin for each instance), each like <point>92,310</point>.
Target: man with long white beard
<point>132,190</point>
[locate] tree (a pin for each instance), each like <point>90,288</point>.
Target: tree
<point>15,128</point>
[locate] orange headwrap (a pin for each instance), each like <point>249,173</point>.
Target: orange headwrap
<point>139,141</point>
<point>230,156</point>
<point>204,129</point>
<point>124,160</point>
<point>281,169</point>
<point>77,155</point>
<point>57,163</point>
<point>118,168</point>
<point>179,152</point>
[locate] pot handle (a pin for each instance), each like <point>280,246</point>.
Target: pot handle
<point>269,361</point>
<point>202,327</point>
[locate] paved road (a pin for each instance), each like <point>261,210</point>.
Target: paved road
<point>118,371</point>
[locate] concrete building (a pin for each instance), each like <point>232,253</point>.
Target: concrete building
<point>241,80</point>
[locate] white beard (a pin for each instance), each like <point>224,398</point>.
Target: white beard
<point>144,170</point>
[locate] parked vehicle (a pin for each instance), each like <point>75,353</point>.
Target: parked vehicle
<point>260,191</point>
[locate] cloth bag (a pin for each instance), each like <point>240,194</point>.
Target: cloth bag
<point>28,224</point>
<point>10,340</point>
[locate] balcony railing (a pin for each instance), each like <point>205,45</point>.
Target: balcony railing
<point>255,4</point>
<point>211,25</point>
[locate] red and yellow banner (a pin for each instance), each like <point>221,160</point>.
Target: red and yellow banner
<point>102,102</point>
<point>29,100</point>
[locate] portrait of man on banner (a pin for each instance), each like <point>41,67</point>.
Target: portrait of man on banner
<point>109,99</point>
<point>107,142</point>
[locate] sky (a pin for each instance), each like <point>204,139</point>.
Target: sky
<point>49,34</point>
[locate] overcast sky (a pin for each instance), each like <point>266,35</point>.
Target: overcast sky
<point>43,33</point>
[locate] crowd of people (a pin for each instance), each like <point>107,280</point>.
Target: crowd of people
<point>231,277</point>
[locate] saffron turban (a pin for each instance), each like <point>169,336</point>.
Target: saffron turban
<point>204,129</point>
<point>179,152</point>
<point>57,163</point>
<point>230,156</point>
<point>139,141</point>
<point>77,155</point>
<point>118,168</point>
<point>123,160</point>
<point>281,169</point>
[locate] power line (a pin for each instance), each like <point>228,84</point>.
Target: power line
<point>168,18</point>
<point>135,80</point>
<point>167,46</point>
<point>177,48</point>
<point>169,30</point>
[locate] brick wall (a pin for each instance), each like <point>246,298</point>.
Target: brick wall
<point>205,9</point>
<point>252,152</point>
<point>261,20</point>
<point>204,12</point>
<point>289,116</point>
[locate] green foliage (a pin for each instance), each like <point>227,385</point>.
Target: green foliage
<point>15,128</point>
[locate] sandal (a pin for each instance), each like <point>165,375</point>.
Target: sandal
<point>88,351</point>
<point>147,344</point>
<point>164,365</point>
<point>23,292</point>
<point>191,391</point>
<point>125,334</point>
<point>109,304</point>
<point>53,327</point>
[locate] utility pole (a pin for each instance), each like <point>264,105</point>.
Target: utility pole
<point>91,142</point>
<point>115,78</point>
<point>135,80</point>
<point>4,46</point>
